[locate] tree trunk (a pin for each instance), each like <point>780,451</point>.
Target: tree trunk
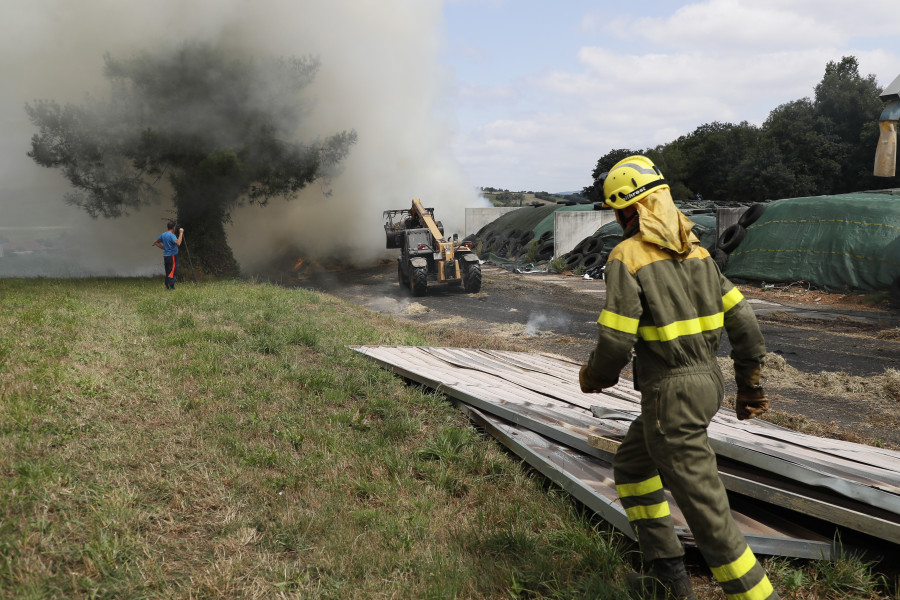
<point>205,243</point>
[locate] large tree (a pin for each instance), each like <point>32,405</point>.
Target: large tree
<point>804,155</point>
<point>221,130</point>
<point>851,105</point>
<point>710,154</point>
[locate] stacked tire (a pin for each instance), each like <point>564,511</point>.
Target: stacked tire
<point>732,237</point>
<point>516,244</point>
<point>545,247</point>
<point>587,254</point>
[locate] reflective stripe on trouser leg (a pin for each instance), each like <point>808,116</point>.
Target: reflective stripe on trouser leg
<point>744,578</point>
<point>683,406</point>
<point>641,493</point>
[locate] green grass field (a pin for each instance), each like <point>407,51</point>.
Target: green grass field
<point>221,441</point>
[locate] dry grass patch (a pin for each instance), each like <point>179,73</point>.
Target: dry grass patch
<point>777,374</point>
<point>879,393</point>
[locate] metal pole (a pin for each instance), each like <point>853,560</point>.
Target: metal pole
<point>188,250</point>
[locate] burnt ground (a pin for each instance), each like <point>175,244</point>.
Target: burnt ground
<point>838,376</point>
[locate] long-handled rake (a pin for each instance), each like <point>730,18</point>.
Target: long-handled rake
<point>190,263</point>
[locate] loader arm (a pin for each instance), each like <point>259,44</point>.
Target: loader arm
<point>426,220</point>
<point>440,246</point>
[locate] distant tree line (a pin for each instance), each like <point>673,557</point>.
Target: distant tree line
<point>505,198</point>
<point>500,197</point>
<point>804,148</point>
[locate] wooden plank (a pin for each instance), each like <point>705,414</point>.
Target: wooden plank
<point>742,480</point>
<point>842,450</point>
<point>589,480</point>
<point>559,419</point>
<point>857,477</point>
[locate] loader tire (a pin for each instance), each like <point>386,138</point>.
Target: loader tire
<point>400,278</point>
<point>418,281</point>
<point>471,277</point>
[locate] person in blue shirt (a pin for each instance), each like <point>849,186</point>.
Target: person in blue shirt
<point>168,243</point>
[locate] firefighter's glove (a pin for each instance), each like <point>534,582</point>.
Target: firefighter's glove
<point>751,400</point>
<point>589,382</point>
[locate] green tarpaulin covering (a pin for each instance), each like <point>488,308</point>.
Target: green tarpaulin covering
<point>845,241</point>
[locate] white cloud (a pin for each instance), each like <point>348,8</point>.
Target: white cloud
<point>649,79</point>
<point>733,26</point>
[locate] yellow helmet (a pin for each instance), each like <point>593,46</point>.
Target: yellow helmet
<point>630,180</point>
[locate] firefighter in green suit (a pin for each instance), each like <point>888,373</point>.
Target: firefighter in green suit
<point>668,302</point>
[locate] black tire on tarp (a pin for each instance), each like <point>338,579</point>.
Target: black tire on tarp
<point>573,261</point>
<point>731,238</point>
<point>545,251</point>
<point>721,258</point>
<point>593,245</point>
<point>579,247</point>
<point>592,260</point>
<point>752,214</point>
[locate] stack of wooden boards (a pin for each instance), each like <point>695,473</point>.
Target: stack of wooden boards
<point>791,493</point>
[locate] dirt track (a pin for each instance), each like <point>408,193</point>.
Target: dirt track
<point>838,375</point>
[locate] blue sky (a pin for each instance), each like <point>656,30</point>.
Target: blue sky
<point>542,90</point>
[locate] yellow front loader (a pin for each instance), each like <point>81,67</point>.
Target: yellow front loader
<point>425,256</point>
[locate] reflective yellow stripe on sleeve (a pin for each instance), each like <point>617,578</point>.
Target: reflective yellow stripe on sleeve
<point>639,489</point>
<point>731,298</point>
<point>681,328</point>
<point>654,511</point>
<point>618,322</point>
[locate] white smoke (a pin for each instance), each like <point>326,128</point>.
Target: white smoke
<point>380,75</point>
<point>541,322</point>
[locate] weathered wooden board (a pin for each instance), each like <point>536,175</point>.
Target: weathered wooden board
<point>541,393</point>
<point>590,480</point>
<point>814,460</point>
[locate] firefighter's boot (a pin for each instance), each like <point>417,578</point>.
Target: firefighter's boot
<point>665,579</point>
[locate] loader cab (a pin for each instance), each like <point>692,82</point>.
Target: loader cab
<point>418,241</point>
